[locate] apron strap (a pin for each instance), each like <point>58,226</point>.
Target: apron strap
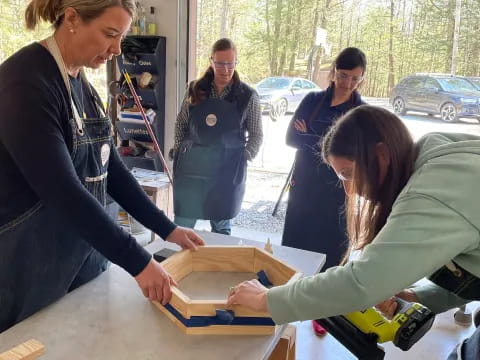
<point>57,55</point>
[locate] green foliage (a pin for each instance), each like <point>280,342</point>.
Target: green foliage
<point>422,37</point>
<point>14,36</point>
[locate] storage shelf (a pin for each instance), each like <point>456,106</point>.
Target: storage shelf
<point>135,63</point>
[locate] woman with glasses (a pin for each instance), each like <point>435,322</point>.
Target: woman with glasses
<point>314,220</point>
<point>217,130</point>
<point>407,218</point>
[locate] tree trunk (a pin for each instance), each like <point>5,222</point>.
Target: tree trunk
<point>269,42</point>
<point>276,36</point>
<point>449,12</point>
<point>286,37</point>
<point>296,37</point>
<point>391,67</point>
<point>456,31</point>
<point>223,21</point>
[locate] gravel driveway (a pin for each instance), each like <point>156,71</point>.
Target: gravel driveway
<point>263,190</point>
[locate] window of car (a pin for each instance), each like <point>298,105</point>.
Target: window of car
<point>431,84</point>
<point>274,83</point>
<point>308,85</point>
<point>456,84</point>
<point>414,83</point>
<point>297,84</point>
<point>475,82</point>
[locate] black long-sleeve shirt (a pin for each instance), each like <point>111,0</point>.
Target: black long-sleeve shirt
<point>35,163</point>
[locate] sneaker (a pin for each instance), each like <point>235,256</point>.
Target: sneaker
<point>318,329</point>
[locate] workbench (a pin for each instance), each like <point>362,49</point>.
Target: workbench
<point>109,318</point>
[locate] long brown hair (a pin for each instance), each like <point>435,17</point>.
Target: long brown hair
<point>53,11</point>
<point>355,137</point>
<point>202,86</point>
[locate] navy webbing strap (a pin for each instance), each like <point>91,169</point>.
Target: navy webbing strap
<point>223,317</point>
<point>263,279</point>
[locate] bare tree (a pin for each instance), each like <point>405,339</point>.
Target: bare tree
<point>391,67</point>
<point>276,37</point>
<point>286,37</point>
<point>223,22</point>
<point>456,31</point>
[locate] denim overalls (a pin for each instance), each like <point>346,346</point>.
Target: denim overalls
<point>211,167</point>
<point>40,258</point>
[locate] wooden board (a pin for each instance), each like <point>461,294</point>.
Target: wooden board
<point>223,258</point>
<point>277,271</point>
<point>179,265</point>
<point>285,349</point>
<point>218,329</point>
<point>180,302</point>
<point>29,350</point>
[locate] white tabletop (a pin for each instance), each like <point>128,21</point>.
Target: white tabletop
<point>109,318</point>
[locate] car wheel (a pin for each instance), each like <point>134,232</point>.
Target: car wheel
<point>272,114</point>
<point>448,113</point>
<point>281,107</point>
<point>399,106</point>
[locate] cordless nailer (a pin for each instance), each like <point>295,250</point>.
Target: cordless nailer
<point>361,331</point>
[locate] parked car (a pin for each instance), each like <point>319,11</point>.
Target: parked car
<point>475,81</point>
<point>449,96</point>
<point>279,95</point>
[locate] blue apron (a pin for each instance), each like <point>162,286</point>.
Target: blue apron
<point>41,259</point>
<point>210,167</point>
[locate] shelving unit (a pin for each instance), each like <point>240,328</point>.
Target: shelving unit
<point>149,57</point>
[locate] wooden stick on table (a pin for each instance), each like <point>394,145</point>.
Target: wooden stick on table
<point>29,350</point>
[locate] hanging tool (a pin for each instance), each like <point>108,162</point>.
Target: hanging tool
<point>147,124</point>
<point>361,331</point>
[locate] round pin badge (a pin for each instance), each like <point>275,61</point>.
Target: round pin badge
<point>211,120</point>
<point>104,153</point>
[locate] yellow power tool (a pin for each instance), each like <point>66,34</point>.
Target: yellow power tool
<point>361,331</point>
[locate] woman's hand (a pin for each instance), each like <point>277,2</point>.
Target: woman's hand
<point>185,238</point>
<point>155,282</point>
<point>250,293</point>
<point>389,307</point>
<point>300,125</point>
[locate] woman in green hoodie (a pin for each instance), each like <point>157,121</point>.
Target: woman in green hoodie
<point>412,211</point>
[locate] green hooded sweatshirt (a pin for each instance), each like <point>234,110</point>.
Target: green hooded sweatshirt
<point>435,219</point>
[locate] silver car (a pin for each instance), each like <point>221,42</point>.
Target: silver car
<point>279,95</point>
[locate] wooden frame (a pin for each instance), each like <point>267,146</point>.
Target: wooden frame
<point>228,259</point>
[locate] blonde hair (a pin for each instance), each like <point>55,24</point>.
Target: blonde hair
<point>52,11</point>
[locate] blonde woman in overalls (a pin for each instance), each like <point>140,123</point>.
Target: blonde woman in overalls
<point>59,162</point>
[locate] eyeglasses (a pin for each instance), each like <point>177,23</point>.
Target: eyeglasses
<point>344,77</point>
<point>221,65</point>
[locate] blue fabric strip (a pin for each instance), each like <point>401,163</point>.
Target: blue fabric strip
<point>263,279</point>
<point>223,317</point>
